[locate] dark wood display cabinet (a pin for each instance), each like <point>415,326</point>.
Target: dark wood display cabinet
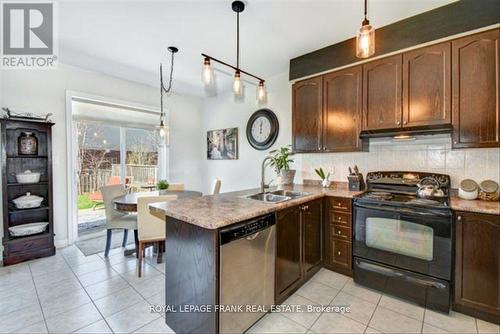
<point>298,246</point>
<point>22,248</point>
<point>477,265</point>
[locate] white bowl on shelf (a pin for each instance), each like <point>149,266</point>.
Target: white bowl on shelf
<point>28,177</point>
<point>28,201</point>
<point>28,229</point>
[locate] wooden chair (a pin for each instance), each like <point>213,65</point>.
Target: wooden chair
<point>176,187</point>
<point>216,187</point>
<point>151,228</point>
<point>116,219</point>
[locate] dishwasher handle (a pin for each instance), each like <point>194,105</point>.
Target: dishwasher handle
<point>248,229</point>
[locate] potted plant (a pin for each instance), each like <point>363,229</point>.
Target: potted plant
<point>162,185</point>
<point>325,178</point>
<point>280,161</point>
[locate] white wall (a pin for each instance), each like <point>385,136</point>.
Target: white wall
<point>222,112</point>
<point>43,91</point>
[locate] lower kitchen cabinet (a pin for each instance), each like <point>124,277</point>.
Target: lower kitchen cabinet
<point>477,265</point>
<point>298,246</point>
<point>338,235</point>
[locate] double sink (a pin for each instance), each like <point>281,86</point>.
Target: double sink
<point>277,196</point>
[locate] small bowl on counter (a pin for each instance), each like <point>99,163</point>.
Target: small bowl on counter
<point>28,177</point>
<point>28,201</point>
<point>468,189</point>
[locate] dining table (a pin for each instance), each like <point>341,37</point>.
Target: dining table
<point>128,203</point>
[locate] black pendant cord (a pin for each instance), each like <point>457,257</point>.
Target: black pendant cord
<point>238,40</point>
<point>366,4</point>
<point>162,87</point>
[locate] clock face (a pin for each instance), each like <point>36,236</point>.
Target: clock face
<point>262,129</point>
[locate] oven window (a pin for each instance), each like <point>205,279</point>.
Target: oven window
<point>400,236</point>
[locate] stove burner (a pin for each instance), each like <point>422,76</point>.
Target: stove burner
<point>379,195</point>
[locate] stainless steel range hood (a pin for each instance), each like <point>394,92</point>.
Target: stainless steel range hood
<point>410,131</point>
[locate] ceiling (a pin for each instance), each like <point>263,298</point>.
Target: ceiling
<point>128,39</point>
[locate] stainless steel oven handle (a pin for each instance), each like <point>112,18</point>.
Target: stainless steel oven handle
<point>424,282</point>
<point>400,210</point>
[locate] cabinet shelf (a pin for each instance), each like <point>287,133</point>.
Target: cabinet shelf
<point>15,184</point>
<point>16,156</point>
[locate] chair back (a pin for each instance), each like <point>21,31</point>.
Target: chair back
<point>176,187</point>
<point>109,193</point>
<point>216,187</point>
<point>149,226</point>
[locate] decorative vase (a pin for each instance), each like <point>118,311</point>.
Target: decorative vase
<point>326,183</point>
<point>27,144</point>
<point>287,176</point>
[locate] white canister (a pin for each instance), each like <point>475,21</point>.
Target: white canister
<point>468,189</point>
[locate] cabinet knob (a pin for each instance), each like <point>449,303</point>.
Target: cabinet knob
<point>459,218</point>
<point>398,123</point>
<point>405,122</point>
<point>339,252</point>
<point>339,219</point>
<point>339,232</point>
<point>455,142</point>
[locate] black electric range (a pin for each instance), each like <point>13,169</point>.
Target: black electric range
<point>402,244</point>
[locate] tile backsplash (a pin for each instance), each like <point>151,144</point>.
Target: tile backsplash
<point>425,154</point>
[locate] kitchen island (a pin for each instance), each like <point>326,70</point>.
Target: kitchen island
<point>192,246</point>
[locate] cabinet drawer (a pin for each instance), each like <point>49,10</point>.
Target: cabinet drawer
<point>340,218</point>
<point>341,232</point>
<point>341,253</point>
<point>340,204</point>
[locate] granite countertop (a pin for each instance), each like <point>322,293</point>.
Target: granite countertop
<point>216,211</point>
<point>478,206</point>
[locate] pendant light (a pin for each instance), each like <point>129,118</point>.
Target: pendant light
<point>238,86</point>
<point>365,39</point>
<point>163,129</point>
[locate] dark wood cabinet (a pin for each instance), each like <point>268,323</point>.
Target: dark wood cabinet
<point>312,229</point>
<point>476,90</point>
<point>17,248</point>
<point>427,86</point>
<point>382,89</point>
<point>338,235</point>
<point>477,265</point>
<point>298,246</point>
<point>307,115</point>
<point>343,105</point>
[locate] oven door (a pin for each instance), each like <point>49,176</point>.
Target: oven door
<point>417,240</point>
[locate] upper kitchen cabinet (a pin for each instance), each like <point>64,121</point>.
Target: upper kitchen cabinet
<point>382,93</point>
<point>427,86</point>
<point>476,90</point>
<point>307,114</point>
<point>343,103</point>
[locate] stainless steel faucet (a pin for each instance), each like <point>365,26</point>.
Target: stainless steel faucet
<point>263,184</point>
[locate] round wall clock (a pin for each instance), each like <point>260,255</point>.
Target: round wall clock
<point>262,129</point>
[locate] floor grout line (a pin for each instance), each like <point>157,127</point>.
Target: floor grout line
<point>38,298</point>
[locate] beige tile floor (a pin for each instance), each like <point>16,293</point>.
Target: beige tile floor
<point>71,292</point>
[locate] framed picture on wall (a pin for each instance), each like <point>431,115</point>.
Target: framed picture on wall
<point>222,144</point>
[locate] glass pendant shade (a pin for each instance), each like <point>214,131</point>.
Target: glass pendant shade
<point>365,41</point>
<point>207,73</point>
<point>162,130</point>
<point>261,93</point>
<point>237,85</point>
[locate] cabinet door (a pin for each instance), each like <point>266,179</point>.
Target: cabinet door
<point>427,86</point>
<point>342,96</point>
<point>288,251</point>
<point>477,265</point>
<point>312,225</point>
<point>307,111</point>
<point>476,90</point>
<point>382,86</point>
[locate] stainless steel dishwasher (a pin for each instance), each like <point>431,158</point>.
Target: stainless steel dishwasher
<point>247,257</point>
